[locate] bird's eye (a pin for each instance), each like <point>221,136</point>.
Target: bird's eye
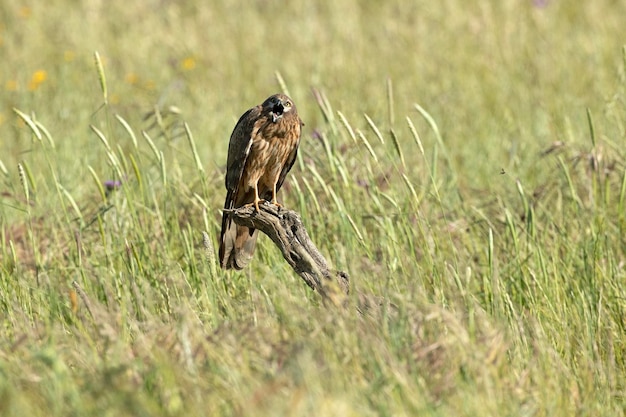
<point>287,103</point>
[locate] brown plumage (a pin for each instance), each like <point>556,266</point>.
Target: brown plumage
<point>261,151</point>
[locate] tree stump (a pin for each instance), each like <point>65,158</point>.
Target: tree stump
<point>286,230</point>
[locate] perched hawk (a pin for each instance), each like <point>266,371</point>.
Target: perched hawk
<point>261,151</point>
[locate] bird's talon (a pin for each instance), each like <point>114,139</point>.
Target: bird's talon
<point>254,204</point>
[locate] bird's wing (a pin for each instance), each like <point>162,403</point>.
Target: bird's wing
<point>237,242</point>
<point>238,151</point>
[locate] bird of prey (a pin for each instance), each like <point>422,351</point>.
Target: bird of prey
<point>261,151</point>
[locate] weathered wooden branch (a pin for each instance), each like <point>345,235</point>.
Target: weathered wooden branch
<point>286,230</point>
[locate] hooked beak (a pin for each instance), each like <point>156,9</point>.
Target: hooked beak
<point>277,111</point>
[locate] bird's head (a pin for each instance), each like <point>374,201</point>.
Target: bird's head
<point>277,106</point>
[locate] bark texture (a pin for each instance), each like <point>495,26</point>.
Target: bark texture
<point>286,230</point>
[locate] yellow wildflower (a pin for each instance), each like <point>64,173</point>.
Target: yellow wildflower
<point>188,63</point>
<point>37,79</point>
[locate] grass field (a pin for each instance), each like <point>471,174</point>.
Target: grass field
<point>463,161</point>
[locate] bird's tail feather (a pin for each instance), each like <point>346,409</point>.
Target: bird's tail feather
<point>236,245</point>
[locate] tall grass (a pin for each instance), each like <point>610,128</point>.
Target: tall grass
<point>463,162</point>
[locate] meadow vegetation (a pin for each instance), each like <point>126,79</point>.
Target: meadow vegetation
<point>463,161</point>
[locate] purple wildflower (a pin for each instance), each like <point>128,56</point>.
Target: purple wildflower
<point>111,185</point>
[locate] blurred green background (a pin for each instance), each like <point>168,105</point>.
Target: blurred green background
<point>463,161</point>
<point>499,77</point>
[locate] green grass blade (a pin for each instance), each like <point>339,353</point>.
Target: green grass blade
<point>30,123</point>
<point>194,151</point>
<point>128,129</point>
<point>374,128</point>
<point>101,77</point>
